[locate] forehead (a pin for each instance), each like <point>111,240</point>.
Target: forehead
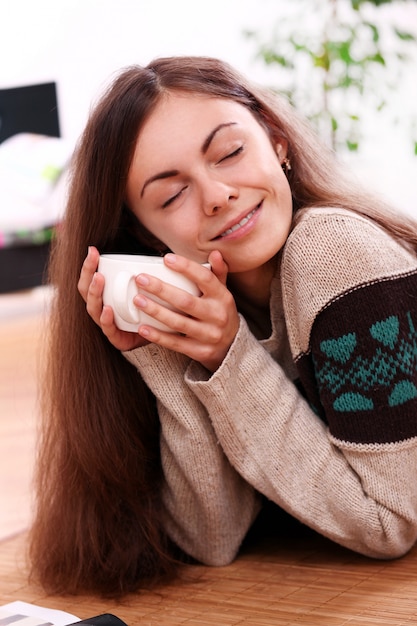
<point>179,116</point>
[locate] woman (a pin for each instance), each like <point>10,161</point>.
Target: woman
<point>292,378</point>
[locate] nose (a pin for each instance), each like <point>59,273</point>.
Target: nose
<point>217,195</point>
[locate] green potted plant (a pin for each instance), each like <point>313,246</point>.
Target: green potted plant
<point>336,60</point>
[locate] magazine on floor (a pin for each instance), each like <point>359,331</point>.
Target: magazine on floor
<point>26,614</point>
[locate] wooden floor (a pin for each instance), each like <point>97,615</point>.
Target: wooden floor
<point>296,579</point>
<point>21,317</point>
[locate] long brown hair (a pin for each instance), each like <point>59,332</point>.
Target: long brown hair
<point>97,523</point>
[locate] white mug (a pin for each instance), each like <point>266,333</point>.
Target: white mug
<point>120,270</point>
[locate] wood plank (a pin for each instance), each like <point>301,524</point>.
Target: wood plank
<point>308,581</point>
<point>21,317</point>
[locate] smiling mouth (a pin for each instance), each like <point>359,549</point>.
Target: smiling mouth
<point>242,222</point>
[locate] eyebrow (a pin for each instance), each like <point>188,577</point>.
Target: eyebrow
<point>171,173</point>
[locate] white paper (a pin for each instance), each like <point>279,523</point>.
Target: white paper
<point>25,614</point>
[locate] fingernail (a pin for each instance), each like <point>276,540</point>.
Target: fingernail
<point>170,258</point>
<point>140,301</point>
<point>142,280</point>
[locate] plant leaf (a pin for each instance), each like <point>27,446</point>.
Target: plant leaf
<point>404,36</point>
<point>352,145</point>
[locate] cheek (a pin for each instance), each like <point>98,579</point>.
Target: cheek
<point>181,240</point>
<point>281,185</point>
<point>177,231</point>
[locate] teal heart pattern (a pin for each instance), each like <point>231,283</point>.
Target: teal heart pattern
<point>386,331</point>
<point>353,371</point>
<point>340,349</point>
<point>403,391</point>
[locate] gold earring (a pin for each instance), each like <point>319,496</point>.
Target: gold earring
<point>286,165</point>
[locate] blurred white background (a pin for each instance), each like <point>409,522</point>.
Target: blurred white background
<point>81,44</point>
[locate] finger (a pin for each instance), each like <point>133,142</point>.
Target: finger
<point>210,351</point>
<point>218,265</point>
<point>199,274</point>
<point>118,338</point>
<point>171,297</point>
<point>94,297</point>
<point>88,269</point>
<point>179,299</point>
<point>107,322</point>
<point>203,319</point>
<point>108,326</point>
<point>209,305</point>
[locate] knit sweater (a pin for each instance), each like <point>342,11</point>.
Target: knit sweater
<point>320,418</point>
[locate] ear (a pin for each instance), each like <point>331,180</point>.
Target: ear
<point>281,148</point>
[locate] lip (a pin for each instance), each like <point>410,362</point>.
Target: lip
<point>234,226</point>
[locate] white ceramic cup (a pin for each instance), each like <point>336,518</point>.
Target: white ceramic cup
<point>120,270</point>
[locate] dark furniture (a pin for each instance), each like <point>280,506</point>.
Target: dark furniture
<point>27,109</point>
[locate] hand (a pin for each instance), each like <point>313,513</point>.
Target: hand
<point>205,326</point>
<point>90,286</point>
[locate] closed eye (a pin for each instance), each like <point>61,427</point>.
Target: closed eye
<point>173,198</point>
<point>232,154</point>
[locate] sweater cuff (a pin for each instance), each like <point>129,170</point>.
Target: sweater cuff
<point>153,360</point>
<point>197,373</point>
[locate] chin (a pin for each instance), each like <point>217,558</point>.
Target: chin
<point>242,268</point>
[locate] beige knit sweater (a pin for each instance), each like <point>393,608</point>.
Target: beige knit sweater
<point>341,453</point>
